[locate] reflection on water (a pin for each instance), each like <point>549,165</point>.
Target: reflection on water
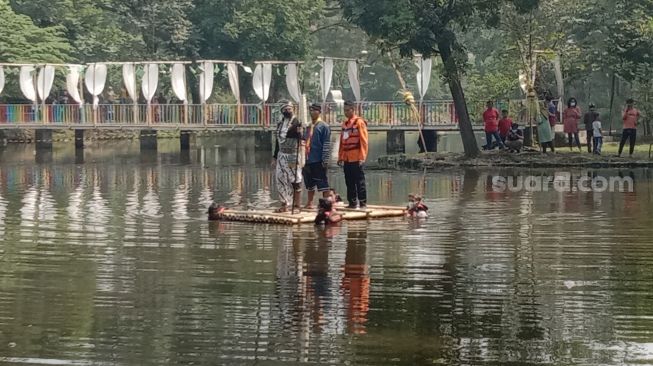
<point>114,263</point>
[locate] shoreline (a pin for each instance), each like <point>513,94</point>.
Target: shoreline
<point>501,159</point>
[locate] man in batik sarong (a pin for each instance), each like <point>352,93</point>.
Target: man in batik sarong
<point>289,159</point>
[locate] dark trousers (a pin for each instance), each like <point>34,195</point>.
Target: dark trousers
<point>628,134</point>
<point>590,139</point>
<point>493,135</point>
<point>598,143</point>
<point>549,145</point>
<point>573,137</point>
<point>355,180</point>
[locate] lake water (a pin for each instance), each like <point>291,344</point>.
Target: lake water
<point>112,262</point>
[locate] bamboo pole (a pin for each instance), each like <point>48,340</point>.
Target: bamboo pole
<point>337,58</point>
<point>279,62</point>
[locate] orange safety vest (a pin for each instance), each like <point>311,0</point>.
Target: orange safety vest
<point>353,140</point>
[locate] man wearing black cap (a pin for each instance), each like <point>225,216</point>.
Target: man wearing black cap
<point>352,156</point>
<point>288,158</point>
<point>318,150</point>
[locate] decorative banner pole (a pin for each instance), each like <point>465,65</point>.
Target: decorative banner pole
<point>232,71</point>
<point>326,78</point>
<point>423,81</point>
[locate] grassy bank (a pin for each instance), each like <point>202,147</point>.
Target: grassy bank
<point>528,159</point>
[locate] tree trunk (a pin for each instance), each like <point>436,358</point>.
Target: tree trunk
<point>453,78</point>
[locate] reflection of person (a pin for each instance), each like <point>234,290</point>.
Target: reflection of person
<point>356,281</point>
<point>287,159</point>
<point>316,273</point>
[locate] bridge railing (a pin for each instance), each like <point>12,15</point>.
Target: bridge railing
<point>431,113</point>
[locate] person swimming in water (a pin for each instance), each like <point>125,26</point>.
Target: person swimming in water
<point>416,207</point>
<point>326,213</point>
<point>215,211</point>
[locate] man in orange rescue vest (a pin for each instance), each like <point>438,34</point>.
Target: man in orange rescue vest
<point>352,155</point>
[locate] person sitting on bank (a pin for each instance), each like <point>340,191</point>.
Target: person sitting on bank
<point>318,150</point>
<point>352,156</point>
<point>515,139</point>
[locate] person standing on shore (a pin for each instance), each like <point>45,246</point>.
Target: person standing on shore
<point>630,117</point>
<point>544,133</point>
<point>597,132</point>
<point>318,150</point>
<point>288,158</point>
<point>353,154</point>
<point>553,111</point>
<point>491,121</point>
<point>571,116</point>
<point>588,120</point>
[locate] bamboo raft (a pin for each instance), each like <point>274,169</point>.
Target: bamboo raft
<point>308,217</point>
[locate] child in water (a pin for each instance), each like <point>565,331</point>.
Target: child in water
<point>326,214</point>
<point>335,198</point>
<point>215,211</point>
<point>416,208</point>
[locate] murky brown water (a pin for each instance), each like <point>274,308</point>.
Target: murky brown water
<point>113,263</point>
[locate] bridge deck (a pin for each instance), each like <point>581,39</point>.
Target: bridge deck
<point>381,116</point>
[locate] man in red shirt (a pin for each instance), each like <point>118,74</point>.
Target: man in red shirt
<point>504,125</point>
<point>630,118</point>
<point>491,120</point>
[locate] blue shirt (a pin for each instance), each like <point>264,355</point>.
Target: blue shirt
<point>320,148</point>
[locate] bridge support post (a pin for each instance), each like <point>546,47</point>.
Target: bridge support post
<point>187,139</point>
<point>79,140</point>
<point>148,139</point>
<point>263,140</point>
<point>396,142</point>
<point>43,138</point>
<point>430,140</point>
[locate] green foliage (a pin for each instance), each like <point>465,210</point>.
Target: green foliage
<point>23,41</point>
<point>251,30</point>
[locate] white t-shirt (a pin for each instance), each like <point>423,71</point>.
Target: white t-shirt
<point>597,128</point>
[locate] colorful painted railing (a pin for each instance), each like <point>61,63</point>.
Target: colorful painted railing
<point>376,113</point>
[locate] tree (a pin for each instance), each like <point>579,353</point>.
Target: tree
<point>429,27</point>
<point>22,41</point>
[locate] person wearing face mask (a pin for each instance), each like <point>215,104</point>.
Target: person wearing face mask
<point>288,159</point>
<point>570,118</point>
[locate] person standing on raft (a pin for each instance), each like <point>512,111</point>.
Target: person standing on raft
<point>318,150</point>
<point>288,159</point>
<point>352,155</point>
